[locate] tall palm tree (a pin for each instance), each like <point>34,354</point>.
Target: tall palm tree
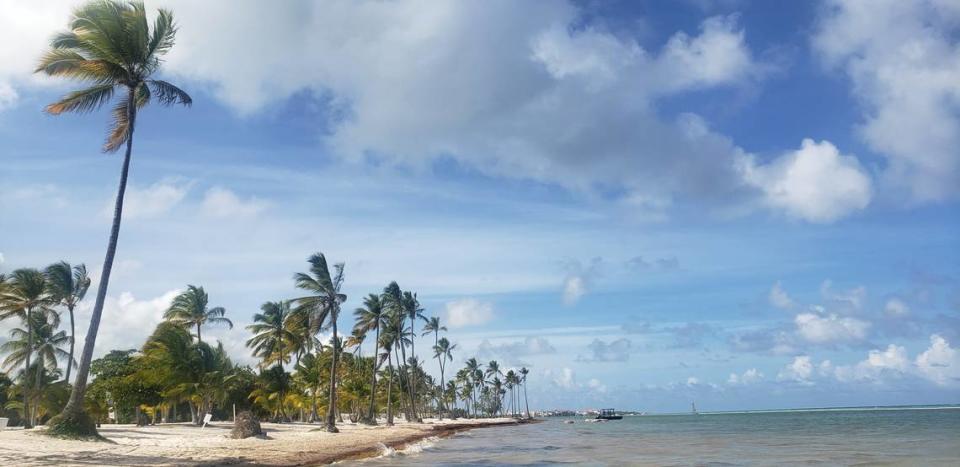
<point>270,336</point>
<point>109,45</point>
<point>523,380</point>
<point>190,309</point>
<point>473,368</point>
<point>42,340</point>
<point>25,295</point>
<point>413,311</point>
<point>323,307</point>
<point>443,351</point>
<point>390,338</point>
<point>370,317</point>
<point>394,300</point>
<point>68,285</point>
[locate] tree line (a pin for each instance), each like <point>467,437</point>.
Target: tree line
<point>177,375</point>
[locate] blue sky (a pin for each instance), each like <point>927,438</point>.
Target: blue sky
<point>746,204</point>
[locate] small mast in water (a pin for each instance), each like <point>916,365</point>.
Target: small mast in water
<point>693,408</point>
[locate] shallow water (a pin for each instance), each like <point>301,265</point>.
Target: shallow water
<point>847,437</point>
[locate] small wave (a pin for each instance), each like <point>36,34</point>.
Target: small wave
<point>386,451</point>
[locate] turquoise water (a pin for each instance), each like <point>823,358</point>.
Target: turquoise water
<point>845,437</point>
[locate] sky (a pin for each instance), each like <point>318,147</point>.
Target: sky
<point>745,204</point>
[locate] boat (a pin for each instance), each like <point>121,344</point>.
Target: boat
<point>693,409</point>
<point>608,414</point>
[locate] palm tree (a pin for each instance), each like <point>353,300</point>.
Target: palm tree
<point>42,340</point>
<point>190,309</point>
<point>443,351</point>
<point>394,300</point>
<point>68,286</point>
<point>369,317</point>
<point>523,380</point>
<point>413,310</point>
<point>25,295</point>
<point>111,46</point>
<point>473,368</point>
<point>270,336</point>
<point>323,307</point>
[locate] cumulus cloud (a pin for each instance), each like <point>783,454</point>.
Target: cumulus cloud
<point>815,183</point>
<point>896,308</point>
<point>691,334</point>
<point>940,363</point>
<point>579,279</point>
<point>880,364</point>
<point>800,370</point>
<point>223,203</point>
<point>819,328</point>
<point>903,61</point>
<point>614,351</point>
<point>750,376</point>
<point>126,321</point>
<point>468,312</point>
<point>154,200</point>
<point>779,298</point>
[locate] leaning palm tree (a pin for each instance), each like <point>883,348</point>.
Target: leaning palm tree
<point>323,307</point>
<point>111,46</point>
<point>190,309</point>
<point>413,311</point>
<point>270,336</point>
<point>523,380</point>
<point>68,285</point>
<point>24,296</point>
<point>370,317</point>
<point>443,351</point>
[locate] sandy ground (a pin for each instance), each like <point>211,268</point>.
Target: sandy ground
<point>184,444</point>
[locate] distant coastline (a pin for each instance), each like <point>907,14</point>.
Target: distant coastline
<point>637,413</point>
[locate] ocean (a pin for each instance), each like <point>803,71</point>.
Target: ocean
<point>884,436</point>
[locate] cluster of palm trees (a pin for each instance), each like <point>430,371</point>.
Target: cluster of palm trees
<point>36,300</point>
<point>176,371</point>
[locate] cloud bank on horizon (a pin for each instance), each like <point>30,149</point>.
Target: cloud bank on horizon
<point>641,202</point>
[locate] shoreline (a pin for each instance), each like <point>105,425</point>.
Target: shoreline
<point>288,444</point>
<point>439,431</point>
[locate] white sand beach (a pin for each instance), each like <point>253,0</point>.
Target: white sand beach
<point>185,444</point>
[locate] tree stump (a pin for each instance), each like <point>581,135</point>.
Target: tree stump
<point>245,425</point>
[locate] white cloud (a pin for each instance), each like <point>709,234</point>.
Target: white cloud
<point>799,370</point>
<point>513,349</point>
<point>815,183</point>
<point>398,94</point>
<point>779,297</point>
<point>8,96</point>
<point>566,378</point>
<point>903,61</point>
<point>750,376</point>
<point>574,287</point>
<point>152,201</point>
<point>223,203</point>
<point>940,363</point>
<point>878,365</point>
<point>850,300</point>
<point>818,328</point>
<point>126,321</point>
<point>468,312</point>
<point>896,308</point>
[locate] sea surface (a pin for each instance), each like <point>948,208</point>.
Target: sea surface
<point>885,436</point>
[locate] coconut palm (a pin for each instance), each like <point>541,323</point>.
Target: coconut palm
<point>190,309</point>
<point>24,296</point>
<point>110,46</point>
<point>270,341</point>
<point>323,308</point>
<point>473,369</point>
<point>45,343</point>
<point>443,351</point>
<point>523,380</point>
<point>370,317</point>
<point>68,285</point>
<point>413,311</point>
<point>394,300</point>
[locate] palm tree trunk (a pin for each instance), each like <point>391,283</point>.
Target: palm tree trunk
<point>72,413</point>
<point>27,416</point>
<point>525,401</point>
<point>390,391</point>
<point>73,333</point>
<point>413,370</point>
<point>198,333</point>
<point>332,409</point>
<point>405,375</point>
<point>37,381</point>
<point>373,380</point>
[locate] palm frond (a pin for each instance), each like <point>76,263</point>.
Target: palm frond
<point>83,101</point>
<point>168,94</point>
